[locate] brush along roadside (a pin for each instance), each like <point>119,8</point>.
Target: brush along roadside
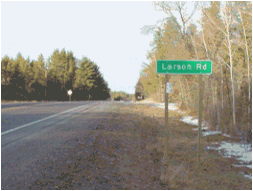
<point>180,167</point>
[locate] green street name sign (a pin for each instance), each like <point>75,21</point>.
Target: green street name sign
<point>184,66</point>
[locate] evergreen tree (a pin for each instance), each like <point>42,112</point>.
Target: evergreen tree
<point>84,78</point>
<point>37,79</point>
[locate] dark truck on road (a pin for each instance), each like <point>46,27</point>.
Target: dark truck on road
<point>139,96</point>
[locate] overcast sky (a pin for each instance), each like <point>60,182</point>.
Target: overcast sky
<point>106,32</point>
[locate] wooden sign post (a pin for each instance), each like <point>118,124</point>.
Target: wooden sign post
<point>183,67</point>
<point>166,134</point>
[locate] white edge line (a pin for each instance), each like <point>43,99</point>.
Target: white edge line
<point>34,122</point>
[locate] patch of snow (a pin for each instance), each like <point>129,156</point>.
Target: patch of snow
<point>243,154</point>
<point>190,120</point>
<point>172,106</point>
<point>237,149</point>
<point>212,148</point>
<point>211,133</point>
<point>246,175</point>
<point>242,165</point>
<point>249,166</point>
<point>215,143</point>
<point>231,149</point>
<point>202,128</point>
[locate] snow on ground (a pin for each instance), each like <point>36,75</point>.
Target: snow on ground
<point>225,135</point>
<point>172,106</point>
<point>243,154</point>
<point>241,151</point>
<point>190,120</point>
<point>211,133</point>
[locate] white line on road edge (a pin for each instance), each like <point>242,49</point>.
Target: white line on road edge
<point>40,120</point>
<point>78,111</point>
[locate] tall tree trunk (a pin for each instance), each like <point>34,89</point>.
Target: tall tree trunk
<point>229,101</point>
<point>222,103</point>
<point>210,110</point>
<point>228,20</point>
<point>217,107</point>
<point>162,88</point>
<point>232,81</point>
<point>207,80</point>
<point>188,94</point>
<point>182,92</point>
<point>206,98</point>
<point>247,52</point>
<point>213,105</point>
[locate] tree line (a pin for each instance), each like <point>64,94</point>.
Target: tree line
<point>25,79</point>
<point>225,38</point>
<point>121,95</point>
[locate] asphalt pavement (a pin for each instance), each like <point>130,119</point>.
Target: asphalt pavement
<point>17,114</point>
<point>61,145</point>
<point>31,130</point>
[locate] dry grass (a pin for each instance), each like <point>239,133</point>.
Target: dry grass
<point>126,151</point>
<point>180,169</point>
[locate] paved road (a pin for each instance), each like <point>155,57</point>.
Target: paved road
<point>17,114</point>
<point>65,150</point>
<point>20,147</point>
